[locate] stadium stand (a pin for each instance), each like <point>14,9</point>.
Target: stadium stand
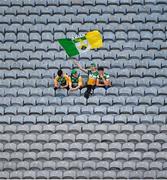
<point>117,133</point>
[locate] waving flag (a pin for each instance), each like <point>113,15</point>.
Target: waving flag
<point>76,46</point>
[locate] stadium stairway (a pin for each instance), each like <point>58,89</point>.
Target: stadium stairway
<point>119,133</point>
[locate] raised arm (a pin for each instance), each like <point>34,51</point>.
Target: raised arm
<point>80,67</point>
<point>55,82</point>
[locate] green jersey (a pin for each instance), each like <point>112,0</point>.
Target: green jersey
<point>74,81</point>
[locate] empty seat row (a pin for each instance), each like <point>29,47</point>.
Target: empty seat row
<point>82,128</point>
<point>54,143</point>
<point>74,100</point>
<point>98,159</point>
<point>81,109</point>
<point>81,138</point>
<point>64,10</point>
<point>127,91</point>
<point>84,18</point>
<point>28,92</point>
<point>133,35</point>
<point>83,174</point>
<point>66,28</point>
<point>82,3</point>
<point>36,164</point>
<point>12,118</point>
<point>48,4</point>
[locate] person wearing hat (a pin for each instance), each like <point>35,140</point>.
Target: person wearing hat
<point>92,77</point>
<point>75,81</point>
<point>61,80</point>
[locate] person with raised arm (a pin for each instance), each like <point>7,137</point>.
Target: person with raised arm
<point>92,77</point>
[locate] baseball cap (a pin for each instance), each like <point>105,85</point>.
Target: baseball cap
<point>74,71</point>
<point>93,64</point>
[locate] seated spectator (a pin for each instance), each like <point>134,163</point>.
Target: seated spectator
<point>92,76</point>
<point>103,79</point>
<point>75,81</point>
<point>61,80</point>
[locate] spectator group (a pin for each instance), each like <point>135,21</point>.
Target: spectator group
<point>97,77</point>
